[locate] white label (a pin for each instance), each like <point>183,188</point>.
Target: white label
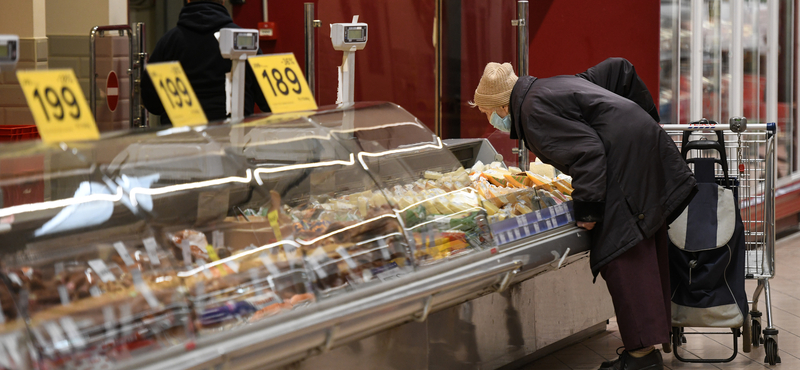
<point>269,264</point>
<point>233,266</point>
<point>510,235</point>
<point>384,249</point>
<point>108,317</point>
<point>57,336</point>
<point>187,254</point>
<point>536,227</point>
<point>143,288</point>
<point>152,250</point>
<point>549,224</point>
<point>291,252</point>
<point>63,294</point>
<point>72,332</point>
<point>502,239</point>
<point>318,253</point>
<point>15,278</point>
<point>347,259</point>
<point>520,220</point>
<point>217,239</point>
<point>207,272</point>
<point>95,291</point>
<point>5,359</point>
<point>101,270</point>
<point>516,234</point>
<point>126,257</point>
<point>569,217</point>
<point>10,342</point>
<point>125,319</point>
<point>527,230</point>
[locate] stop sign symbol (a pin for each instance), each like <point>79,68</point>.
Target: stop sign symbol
<point>112,90</point>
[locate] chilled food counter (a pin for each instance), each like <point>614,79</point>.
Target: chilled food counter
<point>281,240</point>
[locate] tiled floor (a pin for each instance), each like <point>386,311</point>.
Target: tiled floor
<point>785,289</point>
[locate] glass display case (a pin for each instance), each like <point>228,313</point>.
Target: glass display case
<point>143,241</point>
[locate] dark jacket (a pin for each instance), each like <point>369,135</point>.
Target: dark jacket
<point>601,128</point>
<point>193,44</point>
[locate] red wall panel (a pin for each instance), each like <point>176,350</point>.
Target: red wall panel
<point>397,65</point>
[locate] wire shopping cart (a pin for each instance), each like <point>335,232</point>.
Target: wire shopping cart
<point>751,158</point>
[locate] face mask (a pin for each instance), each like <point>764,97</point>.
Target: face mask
<point>502,124</point>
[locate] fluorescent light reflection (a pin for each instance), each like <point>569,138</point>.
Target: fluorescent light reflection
<point>261,171</point>
<point>246,253</point>
<point>33,207</point>
<point>192,185</point>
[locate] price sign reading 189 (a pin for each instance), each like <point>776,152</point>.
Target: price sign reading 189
<point>58,105</point>
<point>282,83</point>
<point>176,94</point>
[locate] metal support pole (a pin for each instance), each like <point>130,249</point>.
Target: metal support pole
<point>522,66</point>
<point>138,61</point>
<point>310,24</point>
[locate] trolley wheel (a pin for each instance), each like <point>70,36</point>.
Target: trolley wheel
<point>756,333</point>
<point>747,335</point>
<point>666,347</point>
<point>771,349</point>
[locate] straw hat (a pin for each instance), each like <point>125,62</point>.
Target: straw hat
<point>494,89</point>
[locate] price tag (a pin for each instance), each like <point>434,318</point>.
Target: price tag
<point>176,94</point>
<point>272,216</point>
<point>15,278</point>
<point>58,106</point>
<point>101,270</point>
<point>73,333</point>
<point>269,264</point>
<point>384,249</point>
<point>126,257</point>
<point>152,250</point>
<point>282,82</point>
<point>60,343</point>
<point>63,294</point>
<point>143,288</point>
<point>347,259</point>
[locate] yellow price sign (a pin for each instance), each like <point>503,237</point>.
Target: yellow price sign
<point>283,83</point>
<point>176,94</point>
<point>59,108</point>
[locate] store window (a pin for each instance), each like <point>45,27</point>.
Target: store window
<point>717,99</point>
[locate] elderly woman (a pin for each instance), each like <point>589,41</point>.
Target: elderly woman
<point>601,128</point>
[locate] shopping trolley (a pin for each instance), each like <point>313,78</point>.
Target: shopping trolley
<point>751,158</point>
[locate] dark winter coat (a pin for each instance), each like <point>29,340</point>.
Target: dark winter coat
<point>193,44</point>
<point>601,128</point>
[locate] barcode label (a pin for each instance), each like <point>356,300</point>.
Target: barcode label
<point>63,295</point>
<point>151,247</point>
<point>123,252</point>
<point>57,336</point>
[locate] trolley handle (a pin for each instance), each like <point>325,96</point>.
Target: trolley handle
<point>718,145</point>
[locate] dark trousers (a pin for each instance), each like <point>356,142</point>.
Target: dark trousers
<point>638,281</point>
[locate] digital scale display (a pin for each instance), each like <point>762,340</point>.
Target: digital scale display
<point>355,34</point>
<point>8,50</point>
<point>246,41</point>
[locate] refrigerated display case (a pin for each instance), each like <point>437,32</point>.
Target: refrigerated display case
<point>261,243</point>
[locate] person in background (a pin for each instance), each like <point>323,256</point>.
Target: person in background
<point>194,44</point>
<point>601,128</point>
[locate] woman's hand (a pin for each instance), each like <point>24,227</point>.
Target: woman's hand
<point>586,225</point>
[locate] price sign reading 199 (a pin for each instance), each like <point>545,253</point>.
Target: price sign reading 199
<point>282,83</point>
<point>176,94</point>
<point>58,105</point>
